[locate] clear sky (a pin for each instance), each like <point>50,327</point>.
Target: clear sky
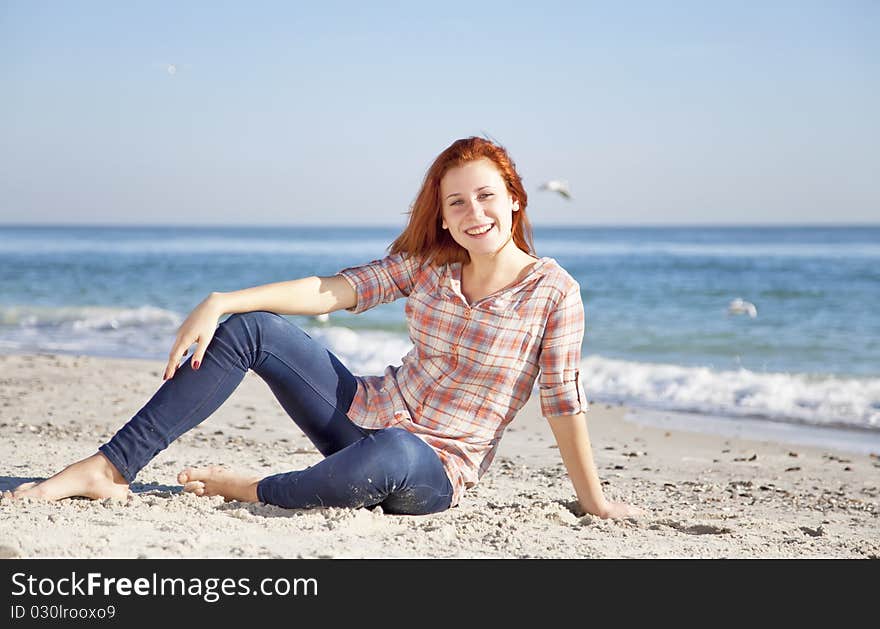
<point>281,113</point>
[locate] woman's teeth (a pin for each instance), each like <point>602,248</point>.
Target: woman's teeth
<point>479,230</point>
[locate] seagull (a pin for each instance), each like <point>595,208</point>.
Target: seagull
<point>555,185</point>
<point>738,306</point>
<point>172,69</point>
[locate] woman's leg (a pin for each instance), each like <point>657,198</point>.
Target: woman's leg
<point>391,467</point>
<point>309,382</point>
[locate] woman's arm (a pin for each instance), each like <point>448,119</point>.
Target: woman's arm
<point>573,440</point>
<point>306,296</point>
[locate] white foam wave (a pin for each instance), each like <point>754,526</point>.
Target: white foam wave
<point>798,398</point>
<point>144,332</point>
<point>364,352</point>
<point>87,317</point>
<point>148,332</point>
<point>817,400</point>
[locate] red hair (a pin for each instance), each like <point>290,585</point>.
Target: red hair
<point>424,235</point>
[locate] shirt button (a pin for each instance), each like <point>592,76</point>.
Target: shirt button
<point>467,313</point>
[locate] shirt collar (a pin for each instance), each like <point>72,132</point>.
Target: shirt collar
<point>451,280</point>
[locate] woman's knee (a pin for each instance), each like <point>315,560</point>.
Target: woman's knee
<point>416,501</point>
<point>244,335</point>
<point>399,445</point>
<point>258,327</point>
<point>422,485</point>
<point>256,318</point>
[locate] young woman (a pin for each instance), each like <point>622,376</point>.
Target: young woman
<point>485,316</point>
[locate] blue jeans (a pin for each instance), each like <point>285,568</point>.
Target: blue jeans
<point>390,467</point>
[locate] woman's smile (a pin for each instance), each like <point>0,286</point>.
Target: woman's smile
<point>480,231</point>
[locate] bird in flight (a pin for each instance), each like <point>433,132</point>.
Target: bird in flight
<point>739,306</point>
<point>172,69</point>
<point>555,185</point>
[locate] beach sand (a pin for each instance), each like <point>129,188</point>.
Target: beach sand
<point>706,495</point>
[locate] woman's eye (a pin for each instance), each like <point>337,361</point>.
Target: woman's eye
<point>487,194</point>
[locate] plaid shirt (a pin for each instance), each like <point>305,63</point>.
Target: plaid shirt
<point>472,366</point>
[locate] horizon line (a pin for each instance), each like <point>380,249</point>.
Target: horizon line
<point>722,225</point>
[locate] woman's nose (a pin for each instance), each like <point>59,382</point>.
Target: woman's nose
<point>475,207</point>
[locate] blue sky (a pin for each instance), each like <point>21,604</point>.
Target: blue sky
<point>655,112</point>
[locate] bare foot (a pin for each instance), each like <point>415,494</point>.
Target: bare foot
<point>93,477</point>
<point>219,481</point>
<point>18,490</point>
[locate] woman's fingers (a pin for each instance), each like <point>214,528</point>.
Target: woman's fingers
<point>200,350</point>
<point>177,353</point>
<point>169,369</point>
<point>198,329</point>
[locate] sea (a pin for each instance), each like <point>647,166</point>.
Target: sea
<point>661,336</point>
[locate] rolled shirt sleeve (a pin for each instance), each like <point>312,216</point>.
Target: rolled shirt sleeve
<point>559,384</point>
<point>381,281</point>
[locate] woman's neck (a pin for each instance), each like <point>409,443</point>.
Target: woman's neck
<point>499,266</point>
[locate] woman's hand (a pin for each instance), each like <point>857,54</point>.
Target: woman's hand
<point>199,327</point>
<point>616,510</point>
<point>573,440</point>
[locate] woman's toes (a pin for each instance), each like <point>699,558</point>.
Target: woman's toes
<point>198,473</point>
<point>24,487</point>
<point>196,487</point>
<point>22,490</point>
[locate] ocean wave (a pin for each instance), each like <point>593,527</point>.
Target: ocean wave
<point>147,332</point>
<point>86,317</point>
<point>820,400</point>
<point>364,352</point>
<point>799,398</point>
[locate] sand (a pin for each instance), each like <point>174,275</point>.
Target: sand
<point>706,496</point>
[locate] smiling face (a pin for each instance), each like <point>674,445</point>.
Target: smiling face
<point>477,207</point>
